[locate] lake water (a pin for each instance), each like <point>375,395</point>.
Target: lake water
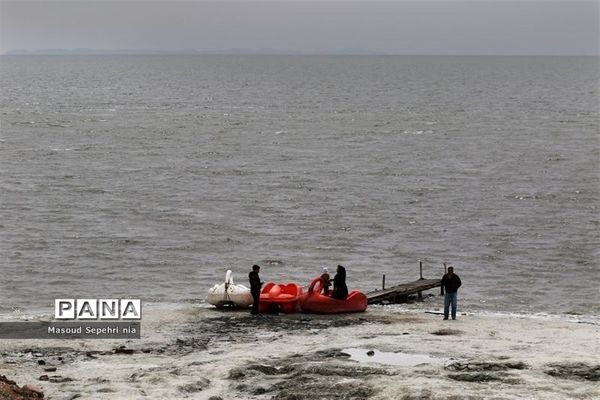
<point>149,176</point>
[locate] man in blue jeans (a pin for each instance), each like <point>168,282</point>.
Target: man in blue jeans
<point>450,283</point>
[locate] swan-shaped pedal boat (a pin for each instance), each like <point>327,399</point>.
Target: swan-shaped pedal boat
<point>317,303</point>
<point>228,293</point>
<point>278,297</point>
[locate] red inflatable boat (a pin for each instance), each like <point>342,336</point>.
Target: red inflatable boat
<point>316,302</point>
<point>276,297</point>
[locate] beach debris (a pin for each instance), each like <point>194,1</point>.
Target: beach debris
<point>305,390</point>
<point>58,379</point>
<point>123,350</point>
<point>44,378</point>
<point>574,370</point>
<point>50,369</point>
<point>106,390</point>
<point>99,379</point>
<point>447,332</point>
<point>135,376</point>
<point>370,353</point>
<point>483,377</point>
<point>330,353</point>
<point>259,390</point>
<point>9,390</point>
<point>236,374</point>
<point>197,386</point>
<point>42,356</point>
<point>486,366</point>
<point>486,371</point>
<point>299,376</point>
<point>426,394</point>
<point>193,342</point>
<point>478,377</point>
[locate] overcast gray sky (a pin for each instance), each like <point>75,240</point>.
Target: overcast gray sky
<point>567,27</point>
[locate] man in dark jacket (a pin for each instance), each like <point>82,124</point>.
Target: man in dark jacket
<point>450,283</point>
<point>255,285</point>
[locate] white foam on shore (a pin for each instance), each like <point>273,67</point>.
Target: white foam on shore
<point>473,338</point>
<point>576,318</point>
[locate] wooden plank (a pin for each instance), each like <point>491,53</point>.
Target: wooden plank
<point>402,290</point>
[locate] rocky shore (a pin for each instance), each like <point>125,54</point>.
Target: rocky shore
<point>201,353</point>
<point>9,390</point>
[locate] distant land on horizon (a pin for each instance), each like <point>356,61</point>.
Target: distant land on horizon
<point>260,51</point>
<point>241,51</point>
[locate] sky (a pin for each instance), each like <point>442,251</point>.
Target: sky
<point>519,27</point>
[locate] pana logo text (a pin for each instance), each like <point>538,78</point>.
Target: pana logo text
<point>98,309</point>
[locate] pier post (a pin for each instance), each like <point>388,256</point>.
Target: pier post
<point>421,269</point>
<point>383,282</point>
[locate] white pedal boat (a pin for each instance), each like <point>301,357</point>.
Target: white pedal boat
<point>228,293</point>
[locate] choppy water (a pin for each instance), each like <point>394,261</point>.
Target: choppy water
<point>147,176</point>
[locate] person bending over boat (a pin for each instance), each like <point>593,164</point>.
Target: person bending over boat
<point>340,290</point>
<point>326,281</point>
<point>255,285</point>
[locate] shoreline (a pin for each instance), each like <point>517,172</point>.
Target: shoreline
<point>199,352</point>
<point>45,314</point>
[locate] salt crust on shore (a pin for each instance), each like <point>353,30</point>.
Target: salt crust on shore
<point>199,353</point>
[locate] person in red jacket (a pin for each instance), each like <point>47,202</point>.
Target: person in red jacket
<point>450,283</point>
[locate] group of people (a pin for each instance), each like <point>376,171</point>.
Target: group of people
<point>450,284</point>
<point>340,290</point>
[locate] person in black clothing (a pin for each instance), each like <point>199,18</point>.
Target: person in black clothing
<point>255,285</point>
<point>450,283</point>
<point>340,290</point>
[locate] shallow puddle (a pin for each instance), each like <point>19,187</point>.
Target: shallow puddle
<point>400,359</point>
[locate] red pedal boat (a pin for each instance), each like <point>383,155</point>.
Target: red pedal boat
<point>317,303</point>
<point>277,297</point>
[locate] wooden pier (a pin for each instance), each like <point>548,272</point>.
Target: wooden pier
<point>400,293</point>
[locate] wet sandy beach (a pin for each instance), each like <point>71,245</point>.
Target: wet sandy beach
<point>201,353</point>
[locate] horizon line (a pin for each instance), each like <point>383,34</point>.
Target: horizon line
<point>262,51</point>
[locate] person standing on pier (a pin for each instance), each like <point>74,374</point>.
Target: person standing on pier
<point>450,283</point>
<point>255,285</point>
